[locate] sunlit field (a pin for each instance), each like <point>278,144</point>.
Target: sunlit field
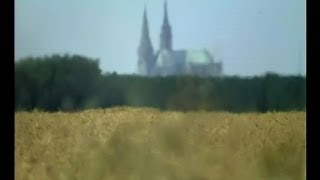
<point>147,144</point>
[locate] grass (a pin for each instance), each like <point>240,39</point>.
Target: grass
<point>142,143</point>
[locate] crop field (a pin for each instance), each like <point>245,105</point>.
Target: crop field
<point>125,143</point>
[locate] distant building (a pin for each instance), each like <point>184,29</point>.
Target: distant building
<point>167,61</point>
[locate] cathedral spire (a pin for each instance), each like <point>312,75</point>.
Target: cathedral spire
<point>165,19</point>
<point>145,50</point>
<point>166,36</point>
<point>145,29</point>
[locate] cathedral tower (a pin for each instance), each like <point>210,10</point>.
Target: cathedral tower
<point>165,36</point>
<point>145,50</point>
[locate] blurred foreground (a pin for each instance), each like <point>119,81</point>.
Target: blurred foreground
<point>143,143</point>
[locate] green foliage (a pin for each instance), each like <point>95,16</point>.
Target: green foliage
<point>75,82</point>
<point>55,82</point>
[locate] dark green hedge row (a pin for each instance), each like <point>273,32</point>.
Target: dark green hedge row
<point>75,82</point>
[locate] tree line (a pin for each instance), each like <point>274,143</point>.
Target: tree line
<point>74,82</point>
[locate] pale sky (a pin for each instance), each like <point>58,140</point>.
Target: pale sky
<point>250,37</point>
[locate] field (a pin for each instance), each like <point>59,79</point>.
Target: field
<point>141,144</point>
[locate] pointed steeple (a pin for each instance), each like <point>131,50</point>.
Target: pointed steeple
<point>145,29</point>
<point>166,36</point>
<point>145,50</point>
<point>165,19</point>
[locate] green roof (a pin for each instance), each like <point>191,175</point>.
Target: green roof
<point>185,56</point>
<point>198,56</point>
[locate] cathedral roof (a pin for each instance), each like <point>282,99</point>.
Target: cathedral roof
<point>199,57</point>
<point>180,57</point>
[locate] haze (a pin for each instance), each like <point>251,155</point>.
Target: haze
<point>250,37</point>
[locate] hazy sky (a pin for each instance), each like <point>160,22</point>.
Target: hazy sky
<point>250,37</point>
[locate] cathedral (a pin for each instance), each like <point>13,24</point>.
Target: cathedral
<point>167,61</point>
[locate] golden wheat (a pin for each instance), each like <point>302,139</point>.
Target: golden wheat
<point>143,143</point>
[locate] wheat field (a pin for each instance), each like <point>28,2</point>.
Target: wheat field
<point>125,143</point>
